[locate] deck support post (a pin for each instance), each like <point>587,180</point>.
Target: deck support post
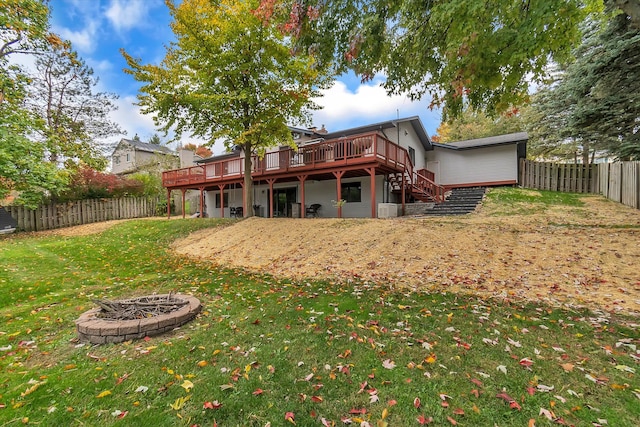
<point>338,176</point>
<point>302,179</point>
<point>403,192</point>
<point>270,181</point>
<point>184,190</point>
<point>202,205</point>
<point>168,203</point>
<point>221,188</point>
<point>372,174</point>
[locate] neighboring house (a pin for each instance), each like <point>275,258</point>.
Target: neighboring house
<point>387,162</point>
<point>132,156</point>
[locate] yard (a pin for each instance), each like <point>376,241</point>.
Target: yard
<point>524,314</point>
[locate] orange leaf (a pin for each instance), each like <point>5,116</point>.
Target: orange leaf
<point>317,399</point>
<point>532,422</point>
<point>452,421</point>
<point>202,363</point>
<point>258,392</point>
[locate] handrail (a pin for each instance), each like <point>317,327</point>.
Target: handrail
<point>429,187</point>
<point>329,152</point>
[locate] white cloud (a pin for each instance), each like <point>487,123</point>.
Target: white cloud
<point>125,15</point>
<point>84,40</point>
<point>369,103</point>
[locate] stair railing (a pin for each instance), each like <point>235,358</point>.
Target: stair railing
<point>428,187</point>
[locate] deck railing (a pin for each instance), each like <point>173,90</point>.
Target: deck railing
<point>314,156</point>
<point>424,183</point>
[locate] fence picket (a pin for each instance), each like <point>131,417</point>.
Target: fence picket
<point>616,181</point>
<point>58,215</point>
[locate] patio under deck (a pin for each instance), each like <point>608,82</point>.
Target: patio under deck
<point>361,155</point>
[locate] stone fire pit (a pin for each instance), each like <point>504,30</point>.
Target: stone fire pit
<point>124,320</point>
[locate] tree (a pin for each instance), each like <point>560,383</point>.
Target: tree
<point>473,124</point>
<point>595,103</point>
<point>155,139</point>
<point>480,52</point>
<point>229,75</point>
<point>201,150</point>
<point>24,29</point>
<point>76,117</point>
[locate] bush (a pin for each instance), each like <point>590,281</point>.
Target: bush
<point>87,183</point>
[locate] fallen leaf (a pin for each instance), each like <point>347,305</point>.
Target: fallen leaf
<point>187,385</point>
<point>289,416</point>
<point>212,405</point>
<point>104,394</point>
<point>422,420</point>
<point>568,367</point>
<point>179,403</point>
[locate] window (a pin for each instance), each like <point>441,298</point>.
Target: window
<point>226,200</point>
<point>128,157</point>
<point>351,192</point>
<point>116,160</point>
<point>412,155</point>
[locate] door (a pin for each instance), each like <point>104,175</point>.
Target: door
<point>282,200</point>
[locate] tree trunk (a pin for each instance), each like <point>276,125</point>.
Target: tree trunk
<point>248,182</point>
<point>585,153</point>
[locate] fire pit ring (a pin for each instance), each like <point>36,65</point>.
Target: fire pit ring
<point>99,330</point>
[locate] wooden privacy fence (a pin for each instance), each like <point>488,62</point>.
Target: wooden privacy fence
<point>571,178</point>
<point>617,181</point>
<point>58,215</point>
<point>621,182</point>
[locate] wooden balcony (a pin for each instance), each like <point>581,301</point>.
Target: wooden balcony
<point>351,155</point>
<point>314,159</point>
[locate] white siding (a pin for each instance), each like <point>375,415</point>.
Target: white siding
<point>322,192</point>
<point>480,165</point>
<point>408,138</point>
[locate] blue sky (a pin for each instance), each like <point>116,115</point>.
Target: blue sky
<point>98,29</point>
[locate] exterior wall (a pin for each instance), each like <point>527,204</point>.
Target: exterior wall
<point>140,160</point>
<point>497,164</point>
<point>123,165</point>
<point>322,192</point>
<point>408,138</point>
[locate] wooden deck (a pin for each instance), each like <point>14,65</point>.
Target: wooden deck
<point>318,159</point>
<point>368,154</point>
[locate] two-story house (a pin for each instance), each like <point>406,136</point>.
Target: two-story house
<point>131,155</point>
<point>387,162</point>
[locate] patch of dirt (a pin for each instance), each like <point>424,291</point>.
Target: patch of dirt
<point>93,228</point>
<point>572,256</point>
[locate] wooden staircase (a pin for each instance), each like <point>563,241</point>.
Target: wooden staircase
<point>420,187</point>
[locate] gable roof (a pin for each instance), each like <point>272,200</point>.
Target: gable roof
<point>414,121</point>
<point>510,138</point>
<point>145,146</point>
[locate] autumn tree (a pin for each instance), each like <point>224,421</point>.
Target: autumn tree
<point>229,75</point>
<point>473,124</point>
<point>485,53</point>
<point>24,29</point>
<point>76,116</point>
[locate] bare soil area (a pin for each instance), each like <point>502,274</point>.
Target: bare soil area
<point>572,256</point>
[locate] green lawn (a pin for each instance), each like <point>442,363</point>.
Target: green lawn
<point>266,350</point>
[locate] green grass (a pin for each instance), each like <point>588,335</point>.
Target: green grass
<point>510,201</point>
<point>263,347</point>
